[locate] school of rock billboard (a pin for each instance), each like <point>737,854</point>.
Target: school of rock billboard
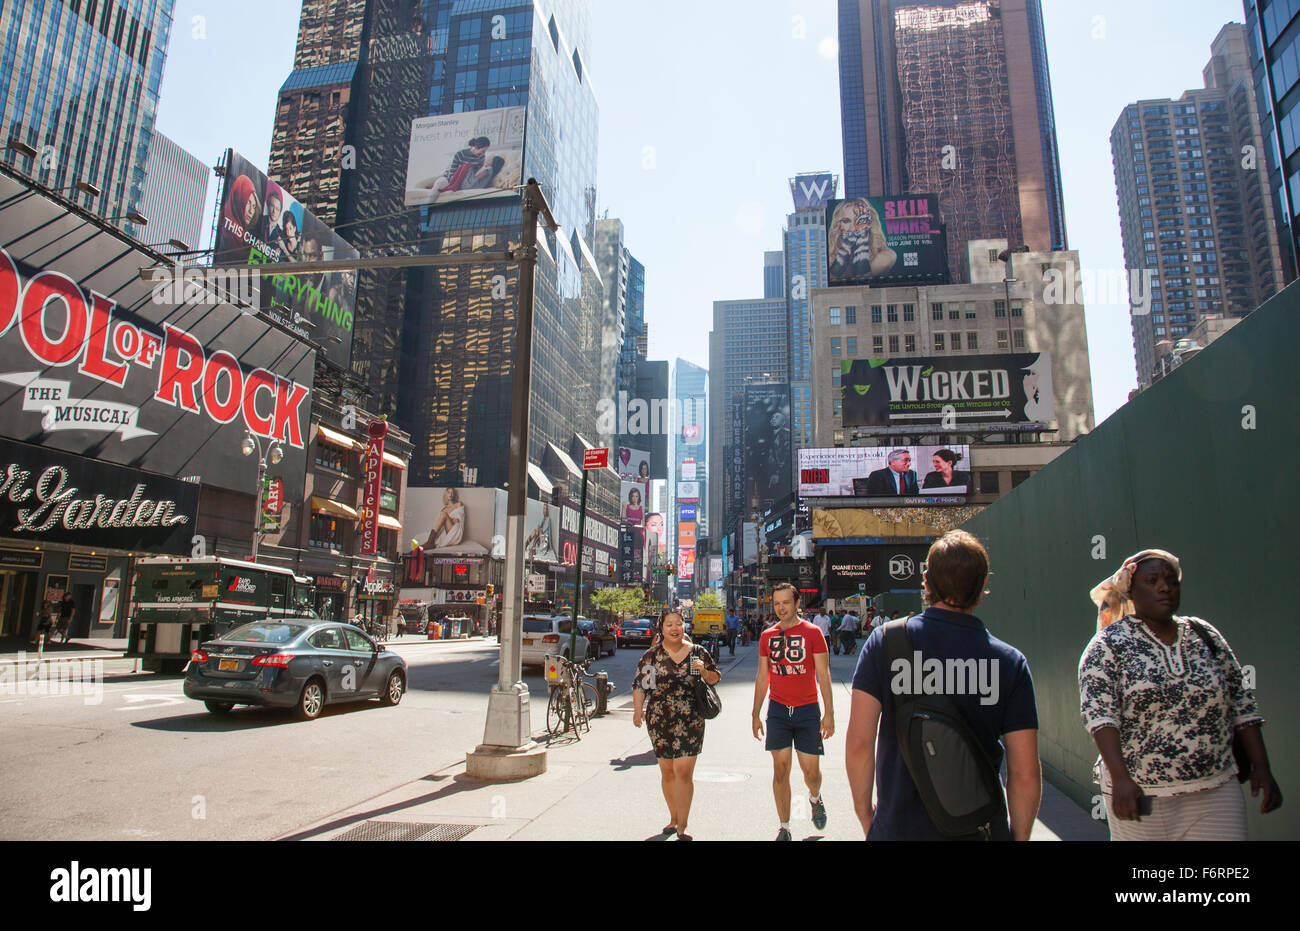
<point>95,362</point>
<point>885,240</point>
<point>1010,389</point>
<point>262,224</point>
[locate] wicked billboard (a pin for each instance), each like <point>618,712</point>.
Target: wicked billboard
<point>94,362</point>
<point>262,224</point>
<point>885,240</point>
<point>1004,388</point>
<point>48,496</point>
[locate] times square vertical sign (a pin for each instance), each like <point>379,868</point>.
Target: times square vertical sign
<point>374,470</point>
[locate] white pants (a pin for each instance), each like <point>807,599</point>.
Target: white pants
<point>1217,814</point>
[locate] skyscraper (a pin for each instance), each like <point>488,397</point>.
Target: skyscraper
<point>1190,215</point>
<point>175,193</point>
<point>79,84</point>
<point>952,97</point>
<point>691,443</point>
<point>773,274</point>
<point>1274,49</point>
<point>434,346</point>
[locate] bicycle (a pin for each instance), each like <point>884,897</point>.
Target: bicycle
<point>572,701</point>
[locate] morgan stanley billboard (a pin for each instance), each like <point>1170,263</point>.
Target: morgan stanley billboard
<point>463,155</point>
<point>1009,389</point>
<point>92,363</point>
<point>885,240</point>
<point>261,224</point>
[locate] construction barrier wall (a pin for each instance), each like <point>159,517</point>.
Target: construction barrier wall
<point>1203,464</point>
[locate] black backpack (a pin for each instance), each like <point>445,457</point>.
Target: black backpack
<point>955,778</point>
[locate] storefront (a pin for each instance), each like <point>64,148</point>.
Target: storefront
<point>376,599</point>
<point>331,597</point>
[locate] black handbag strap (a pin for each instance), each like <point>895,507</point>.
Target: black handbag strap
<point>1204,635</point>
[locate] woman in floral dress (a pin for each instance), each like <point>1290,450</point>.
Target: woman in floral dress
<point>664,697</point>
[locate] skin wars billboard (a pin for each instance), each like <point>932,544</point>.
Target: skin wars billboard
<point>96,362</point>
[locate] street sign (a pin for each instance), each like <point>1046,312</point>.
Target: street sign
<point>596,458</point>
<point>862,587</point>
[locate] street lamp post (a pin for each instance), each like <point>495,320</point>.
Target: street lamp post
<point>274,453</point>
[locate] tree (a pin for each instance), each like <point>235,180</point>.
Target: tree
<point>708,600</point>
<point>618,601</point>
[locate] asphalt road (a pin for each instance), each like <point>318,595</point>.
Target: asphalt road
<point>144,761</point>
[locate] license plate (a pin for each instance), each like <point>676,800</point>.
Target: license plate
<point>529,641</point>
<point>228,665</point>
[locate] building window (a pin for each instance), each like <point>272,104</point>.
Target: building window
<point>891,313</point>
<point>852,346</point>
<point>875,313</point>
<point>838,407</point>
<point>1003,341</point>
<point>1018,339</point>
<point>993,256</point>
<point>972,340</point>
<point>936,311</point>
<point>1000,309</point>
<point>835,316</point>
<point>851,316</point>
<point>909,313</point>
<point>878,346</point>
<point>1019,477</point>
<point>326,532</point>
<point>954,314</point>
<point>909,343</point>
<point>331,457</point>
<point>1017,309</point>
<point>970,311</point>
<point>988,483</point>
<point>939,342</point>
<point>835,345</point>
<point>893,344</point>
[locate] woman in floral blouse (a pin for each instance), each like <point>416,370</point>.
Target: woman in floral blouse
<point>1163,698</point>
<point>664,697</point>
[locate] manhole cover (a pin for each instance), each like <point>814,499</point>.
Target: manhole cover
<point>405,831</point>
<point>718,775</point>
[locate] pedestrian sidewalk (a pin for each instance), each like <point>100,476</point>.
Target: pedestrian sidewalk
<point>606,786</point>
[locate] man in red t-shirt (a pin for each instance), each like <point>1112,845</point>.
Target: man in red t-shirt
<point>793,654</point>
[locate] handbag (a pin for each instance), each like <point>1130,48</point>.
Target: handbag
<point>1239,752</point>
<point>707,702</point>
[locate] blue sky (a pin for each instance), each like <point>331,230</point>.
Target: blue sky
<point>708,108</point>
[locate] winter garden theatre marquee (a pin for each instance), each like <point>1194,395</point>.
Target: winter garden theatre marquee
<point>116,406</point>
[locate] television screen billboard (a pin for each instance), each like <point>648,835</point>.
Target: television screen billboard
<point>479,154</point>
<point>929,473</point>
<point>685,563</point>
<point>260,223</point>
<point>688,491</point>
<point>685,534</point>
<point>885,240</point>
<point>1005,388</point>
<point>767,443</point>
<point>689,512</point>
<point>689,469</point>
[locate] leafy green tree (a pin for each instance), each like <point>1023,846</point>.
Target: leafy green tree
<point>708,600</point>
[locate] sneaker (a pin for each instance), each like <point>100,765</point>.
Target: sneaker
<point>783,834</point>
<point>819,814</point>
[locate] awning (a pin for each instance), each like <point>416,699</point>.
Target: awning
<point>389,523</point>
<point>334,438</point>
<point>390,459</point>
<point>565,462</point>
<point>543,483</point>
<point>333,507</point>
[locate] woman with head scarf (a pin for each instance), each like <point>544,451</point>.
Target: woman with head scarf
<point>243,211</point>
<point>1164,699</point>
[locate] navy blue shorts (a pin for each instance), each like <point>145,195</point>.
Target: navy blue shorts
<point>801,726</point>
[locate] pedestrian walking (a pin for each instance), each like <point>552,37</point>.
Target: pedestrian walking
<point>1164,699</point>
<point>664,697</point>
<point>793,663</point>
<point>67,608</point>
<point>848,632</point>
<point>823,622</point>
<point>996,704</point>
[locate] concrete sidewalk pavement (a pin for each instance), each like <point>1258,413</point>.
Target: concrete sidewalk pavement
<point>606,787</point>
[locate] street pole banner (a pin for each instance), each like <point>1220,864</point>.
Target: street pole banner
<point>1004,388</point>
<point>374,469</point>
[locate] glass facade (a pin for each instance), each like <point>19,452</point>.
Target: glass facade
<point>79,84</point>
<point>1273,30</point>
<point>805,251</point>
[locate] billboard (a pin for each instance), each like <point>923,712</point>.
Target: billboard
<point>1003,388</point>
<point>457,521</point>
<point>260,223</point>
<point>541,536</point>
<point>694,410</point>
<point>813,190</point>
<point>685,564</point>
<point>462,155</point>
<point>601,541</point>
<point>880,568</point>
<point>633,465</point>
<point>688,512</point>
<point>767,443</point>
<point>632,502</point>
<point>688,491</point>
<point>685,534</point>
<point>689,470</point>
<point>94,363</point>
<point>929,473</point>
<point>885,240</point>
<point>656,537</point>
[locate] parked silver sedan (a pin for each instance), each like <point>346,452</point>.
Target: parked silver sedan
<point>299,663</point>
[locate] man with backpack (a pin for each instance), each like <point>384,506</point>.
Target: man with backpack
<point>976,697</point>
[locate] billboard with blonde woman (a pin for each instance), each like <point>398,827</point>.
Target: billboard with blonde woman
<point>885,240</point>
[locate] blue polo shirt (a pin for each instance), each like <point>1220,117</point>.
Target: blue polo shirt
<point>940,634</point>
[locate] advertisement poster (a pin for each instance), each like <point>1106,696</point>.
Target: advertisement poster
<point>632,498</point>
<point>94,362</point>
<point>885,472</point>
<point>1006,388</point>
<point>541,532</point>
<point>688,491</point>
<point>688,470</point>
<point>457,521</point>
<point>262,224</point>
<point>634,465</point>
<point>463,155</point>
<point>885,240</point>
<point>767,443</point>
<point>881,568</point>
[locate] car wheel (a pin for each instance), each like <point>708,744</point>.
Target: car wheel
<point>219,707</point>
<point>311,701</point>
<point>393,692</point>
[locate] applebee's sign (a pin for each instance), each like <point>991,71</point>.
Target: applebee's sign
<point>374,469</point>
